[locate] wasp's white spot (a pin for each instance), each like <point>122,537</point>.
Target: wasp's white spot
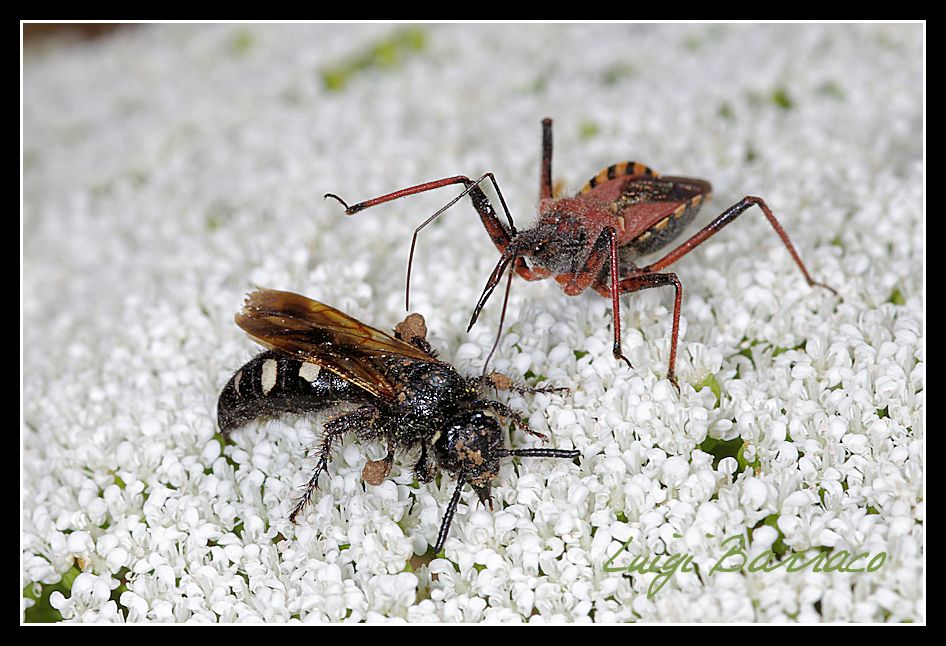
<point>309,371</point>
<point>236,381</point>
<point>268,378</point>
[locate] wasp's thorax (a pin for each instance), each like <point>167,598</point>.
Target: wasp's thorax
<point>430,391</point>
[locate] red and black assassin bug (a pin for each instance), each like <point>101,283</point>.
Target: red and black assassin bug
<point>592,239</point>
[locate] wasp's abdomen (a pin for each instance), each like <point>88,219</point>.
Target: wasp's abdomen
<point>272,383</point>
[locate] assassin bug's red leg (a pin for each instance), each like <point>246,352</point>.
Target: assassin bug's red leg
<point>482,205</point>
<point>721,221</point>
<point>647,277</point>
<point>616,297</point>
<point>636,283</point>
<point>574,284</point>
<point>545,179</point>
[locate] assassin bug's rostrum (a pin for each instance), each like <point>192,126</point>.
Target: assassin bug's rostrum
<point>594,238</point>
<point>395,389</point>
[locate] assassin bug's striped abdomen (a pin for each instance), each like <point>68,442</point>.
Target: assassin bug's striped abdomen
<point>624,170</point>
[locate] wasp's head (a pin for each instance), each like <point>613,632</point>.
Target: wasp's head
<point>470,449</point>
<point>472,444</point>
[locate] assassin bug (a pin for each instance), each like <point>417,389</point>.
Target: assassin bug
<point>594,238</point>
<point>319,358</point>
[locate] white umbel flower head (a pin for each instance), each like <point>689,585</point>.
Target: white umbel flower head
<point>169,169</point>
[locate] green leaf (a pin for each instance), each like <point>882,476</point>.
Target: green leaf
<point>711,383</point>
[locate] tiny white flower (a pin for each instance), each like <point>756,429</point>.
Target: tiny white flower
<point>755,493</point>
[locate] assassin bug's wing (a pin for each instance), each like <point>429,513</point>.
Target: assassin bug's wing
<point>649,209</point>
<point>316,333</point>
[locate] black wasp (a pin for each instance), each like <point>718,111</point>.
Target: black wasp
<point>319,357</point>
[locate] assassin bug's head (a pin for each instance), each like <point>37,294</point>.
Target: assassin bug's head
<point>551,246</point>
<point>547,247</point>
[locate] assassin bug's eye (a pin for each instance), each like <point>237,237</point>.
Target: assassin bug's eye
<point>541,248</point>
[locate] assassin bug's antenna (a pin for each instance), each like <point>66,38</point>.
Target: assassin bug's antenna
<point>474,185</point>
<point>480,202</point>
<point>502,315</point>
<point>487,214</point>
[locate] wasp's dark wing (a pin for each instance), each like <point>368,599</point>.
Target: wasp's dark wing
<point>311,331</point>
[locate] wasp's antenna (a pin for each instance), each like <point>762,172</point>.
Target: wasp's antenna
<point>448,516</point>
<point>540,453</point>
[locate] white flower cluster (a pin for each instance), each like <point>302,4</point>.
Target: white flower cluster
<point>169,169</point>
